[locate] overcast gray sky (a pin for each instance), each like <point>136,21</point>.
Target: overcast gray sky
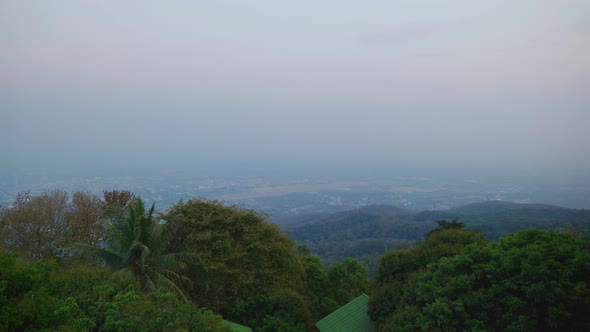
<point>475,84</point>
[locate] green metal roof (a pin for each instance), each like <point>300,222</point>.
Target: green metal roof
<point>236,327</point>
<point>351,317</point>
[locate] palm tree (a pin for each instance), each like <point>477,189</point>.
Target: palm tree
<point>134,248</point>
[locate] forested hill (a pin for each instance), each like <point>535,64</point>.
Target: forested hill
<point>366,232</point>
<point>497,218</point>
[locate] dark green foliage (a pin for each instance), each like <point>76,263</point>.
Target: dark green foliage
<point>44,296</point>
<point>244,268</point>
<point>363,234</point>
<point>530,281</point>
<point>23,299</point>
<point>318,288</point>
<point>241,265</point>
<point>329,288</point>
<point>497,218</point>
<point>285,310</point>
<point>256,276</point>
<point>366,233</point>
<point>246,258</point>
<point>444,225</point>
<point>348,280</point>
<point>134,249</point>
<point>398,265</point>
<point>134,311</point>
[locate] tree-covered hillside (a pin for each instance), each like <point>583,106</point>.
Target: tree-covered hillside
<point>497,219</point>
<point>111,264</point>
<point>365,233</point>
<point>531,280</point>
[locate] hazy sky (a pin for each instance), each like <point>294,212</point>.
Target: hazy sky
<point>464,84</point>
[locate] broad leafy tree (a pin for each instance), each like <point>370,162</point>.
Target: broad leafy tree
<point>397,267</point>
<point>529,281</point>
<point>348,280</point>
<point>245,256</point>
<point>444,224</point>
<point>115,204</point>
<point>328,288</point>
<point>85,218</point>
<point>43,226</point>
<point>317,285</point>
<point>44,296</point>
<point>37,226</point>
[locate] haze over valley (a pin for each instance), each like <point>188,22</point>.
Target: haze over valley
<point>223,88</point>
<point>287,195</point>
<point>294,166</point>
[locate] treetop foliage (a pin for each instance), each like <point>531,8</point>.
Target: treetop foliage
<point>236,263</point>
<point>135,247</point>
<point>531,280</point>
<point>443,225</point>
<point>42,296</point>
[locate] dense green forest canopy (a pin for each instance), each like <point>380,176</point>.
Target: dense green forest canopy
<point>44,296</point>
<point>112,264</point>
<point>366,233</point>
<point>531,280</point>
<point>198,258</point>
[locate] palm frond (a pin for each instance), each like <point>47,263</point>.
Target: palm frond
<point>177,261</point>
<point>135,246</point>
<point>169,285</point>
<point>107,256</point>
<point>147,284</point>
<point>124,273</point>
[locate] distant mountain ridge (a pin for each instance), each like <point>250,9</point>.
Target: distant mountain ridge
<point>387,210</point>
<point>493,205</point>
<point>366,232</point>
